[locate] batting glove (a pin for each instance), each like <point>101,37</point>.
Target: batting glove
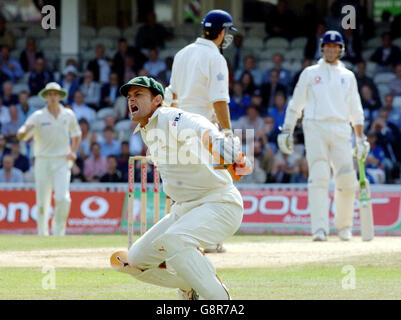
<point>285,141</point>
<point>362,148</point>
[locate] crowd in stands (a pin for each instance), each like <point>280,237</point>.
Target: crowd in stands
<point>261,84</point>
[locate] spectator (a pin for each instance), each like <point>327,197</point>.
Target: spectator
<point>4,150</point>
<point>4,114</point>
<point>271,88</point>
<point>29,176</point>
<point>278,111</point>
<point>3,78</point>
<point>10,129</point>
<point>251,120</point>
<point>257,100</point>
<point>395,84</point>
<point>24,109</point>
<point>109,145</point>
<point>369,104</point>
<point>394,114</point>
<point>236,58</point>
<point>77,171</point>
<point>81,110</point>
<point>152,34</point>
<point>110,121</point>
<point>238,101</point>
<point>8,173</point>
<point>96,165</point>
<point>129,71</point>
<point>284,74</point>
<point>305,63</point>
<point>388,55</point>
<point>112,174</point>
<point>136,145</point>
<point>87,138</point>
<point>312,48</point>
<point>91,90</point>
<point>376,155</point>
<point>333,20</point>
<point>120,57</point>
<point>29,55</point>
<point>308,20</point>
<point>269,133</point>
<point>110,91</point>
<point>363,80</point>
<point>353,46</point>
<point>39,77</point>
<point>247,83</point>
<point>20,161</point>
<point>302,172</point>
<point>123,160</point>
<point>69,82</point>
<point>154,65</point>
<point>388,137</point>
<point>8,97</point>
<point>100,65</point>
<point>250,66</point>
<point>6,37</point>
<point>281,22</point>
<point>165,75</point>
<point>10,66</point>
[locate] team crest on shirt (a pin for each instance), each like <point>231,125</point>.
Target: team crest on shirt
<point>174,123</point>
<point>318,79</point>
<point>220,77</point>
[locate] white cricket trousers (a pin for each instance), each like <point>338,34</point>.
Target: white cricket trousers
<point>328,146</point>
<point>52,173</point>
<point>175,240</point>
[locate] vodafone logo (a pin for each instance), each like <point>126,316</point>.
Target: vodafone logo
<point>94,207</point>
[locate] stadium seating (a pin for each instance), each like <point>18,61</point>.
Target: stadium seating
<point>384,77</point>
<point>277,42</point>
<point>120,107</point>
<point>35,31</point>
<point>111,32</point>
<point>253,42</point>
<point>367,53</point>
<point>371,68</point>
<point>397,102</point>
<point>97,126</point>
<point>177,43</point>
<point>19,87</point>
<point>103,113</point>
<point>86,31</point>
<point>123,129</point>
<point>374,42</point>
<point>36,102</point>
<point>397,42</point>
<point>163,54</point>
<point>298,43</point>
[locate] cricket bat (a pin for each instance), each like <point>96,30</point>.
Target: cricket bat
<point>365,205</point>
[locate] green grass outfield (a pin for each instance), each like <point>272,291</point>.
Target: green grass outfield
<point>377,276</point>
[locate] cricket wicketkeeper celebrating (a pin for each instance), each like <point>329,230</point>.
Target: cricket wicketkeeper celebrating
<point>208,208</point>
<point>328,95</point>
<point>51,128</point>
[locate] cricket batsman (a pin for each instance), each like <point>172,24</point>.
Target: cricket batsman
<point>199,78</point>
<point>51,128</point>
<point>328,94</point>
<point>208,208</point>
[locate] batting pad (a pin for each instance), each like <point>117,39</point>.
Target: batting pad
<point>344,197</point>
<point>199,272</point>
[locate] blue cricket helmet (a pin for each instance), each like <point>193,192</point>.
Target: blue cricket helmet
<point>218,20</point>
<point>332,36</point>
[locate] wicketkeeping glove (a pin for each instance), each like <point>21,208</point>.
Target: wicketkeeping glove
<point>285,141</point>
<point>362,148</point>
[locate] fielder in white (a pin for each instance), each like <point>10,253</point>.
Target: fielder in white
<point>52,127</point>
<point>207,209</point>
<point>327,93</point>
<point>199,78</point>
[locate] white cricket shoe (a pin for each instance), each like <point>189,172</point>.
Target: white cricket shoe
<point>319,235</point>
<point>218,248</point>
<point>345,234</point>
<point>188,295</point>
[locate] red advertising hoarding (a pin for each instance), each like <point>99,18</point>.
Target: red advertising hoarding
<point>91,211</point>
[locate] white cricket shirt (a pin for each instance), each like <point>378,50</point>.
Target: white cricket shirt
<point>52,136</point>
<point>325,93</point>
<point>200,77</point>
<point>171,137</point>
